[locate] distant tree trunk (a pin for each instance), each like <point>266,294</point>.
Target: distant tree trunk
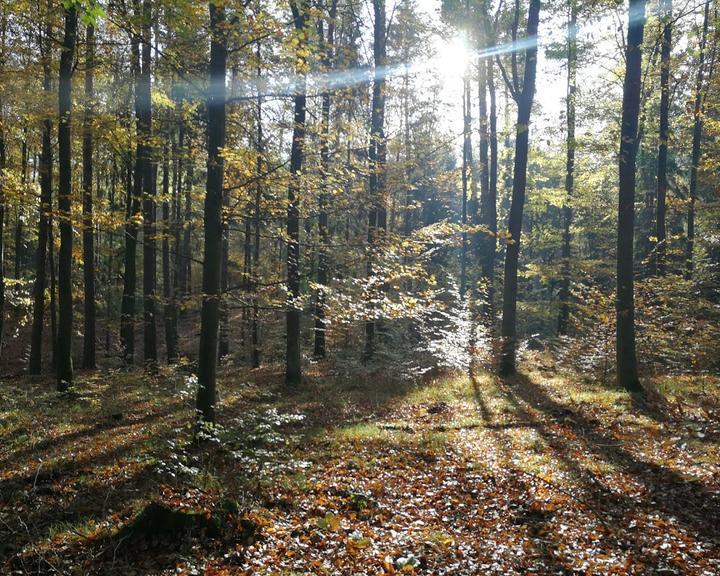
<point>53,297</point>
<point>148,188</point>
<point>293,367</point>
<point>169,312</point>
<point>185,269</point>
<point>489,207</point>
<point>65,324</point>
<point>41,256</point>
<point>19,247</point>
<point>377,153</point>
<point>696,142</point>
<point>210,314</point>
<point>322,270</point>
<point>127,313</point>
<point>88,237</point>
<point>627,374</point>
<point>466,176</point>
<point>564,314</point>
<point>259,149</point>
<point>524,98</point>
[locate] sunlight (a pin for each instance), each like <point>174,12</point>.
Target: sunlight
<point>452,57</point>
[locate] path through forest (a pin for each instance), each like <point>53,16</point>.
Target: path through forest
<point>546,473</point>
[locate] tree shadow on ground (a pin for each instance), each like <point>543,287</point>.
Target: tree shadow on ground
<point>666,491</point>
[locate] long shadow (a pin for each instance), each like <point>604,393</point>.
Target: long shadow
<point>89,432</point>
<point>668,492</point>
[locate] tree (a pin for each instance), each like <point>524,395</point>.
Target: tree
<point>377,155</point>
<point>210,314</point>
<point>293,361</point>
<point>523,96</point>
<point>65,323</point>
<point>44,229</point>
<point>322,270</point>
<point>148,190</point>
<point>87,183</point>
<point>696,143</point>
<point>564,296</point>
<point>658,259</point>
<point>627,373</point>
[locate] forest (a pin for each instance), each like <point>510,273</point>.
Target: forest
<point>359,287</point>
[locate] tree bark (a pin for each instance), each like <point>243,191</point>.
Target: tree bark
<point>127,313</point>
<point>564,296</point>
<point>65,321</point>
<point>524,100</point>
<point>627,374</point>
<point>41,256</point>
<point>696,143</point>
<point>88,236</point>
<point>293,367</point>
<point>322,270</point>
<point>377,154</point>
<point>148,188</point>
<point>210,314</point>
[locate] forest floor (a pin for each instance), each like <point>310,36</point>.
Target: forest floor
<point>543,473</point>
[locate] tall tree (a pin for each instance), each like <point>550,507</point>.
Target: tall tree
<point>627,373</point>
<point>44,231</point>
<point>696,143</point>
<point>134,192</point>
<point>523,96</point>
<point>564,296</point>
<point>87,182</point>
<point>377,155</point>
<point>210,314</point>
<point>328,43</point>
<point>293,366</point>
<point>658,259</point>
<point>65,322</point>
<point>148,189</point>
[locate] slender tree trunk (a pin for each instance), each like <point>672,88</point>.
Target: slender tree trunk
<point>168,287</point>
<point>467,151</point>
<point>376,157</point>
<point>658,260</point>
<point>259,149</point>
<point>627,373</point>
<point>88,237</point>
<point>210,314</point>
<point>3,161</point>
<point>322,270</point>
<point>65,324</point>
<point>127,313</point>
<point>696,142</point>
<point>512,249</point>
<point>148,188</point>
<point>489,207</point>
<point>564,313</point>
<point>293,367</point>
<point>19,247</point>
<point>41,256</point>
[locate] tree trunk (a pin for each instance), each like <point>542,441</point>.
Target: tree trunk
<point>696,142</point>
<point>627,374</point>
<point>169,313</point>
<point>489,208</point>
<point>564,296</point>
<point>41,256</point>
<point>512,250</point>
<point>210,314</point>
<point>88,237</point>
<point>376,157</point>
<point>148,188</point>
<point>65,323</point>
<point>127,313</point>
<point>293,368</point>
<point>259,149</point>
<point>322,270</point>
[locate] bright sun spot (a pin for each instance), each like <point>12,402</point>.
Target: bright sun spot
<point>452,57</point>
